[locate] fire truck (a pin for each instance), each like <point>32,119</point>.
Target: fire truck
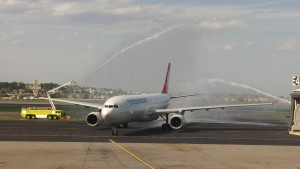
<point>41,112</point>
<point>46,112</point>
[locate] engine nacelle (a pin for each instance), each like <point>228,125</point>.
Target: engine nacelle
<point>177,121</point>
<point>94,119</point>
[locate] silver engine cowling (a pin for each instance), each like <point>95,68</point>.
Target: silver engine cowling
<point>177,121</point>
<point>94,119</point>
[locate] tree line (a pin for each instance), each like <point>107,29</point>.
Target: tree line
<point>20,85</point>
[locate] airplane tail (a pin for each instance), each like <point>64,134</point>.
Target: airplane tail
<point>166,84</point>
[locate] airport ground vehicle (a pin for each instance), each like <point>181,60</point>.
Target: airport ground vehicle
<point>294,127</point>
<point>41,112</point>
<point>46,112</point>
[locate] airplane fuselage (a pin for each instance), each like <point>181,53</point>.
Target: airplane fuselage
<point>133,108</point>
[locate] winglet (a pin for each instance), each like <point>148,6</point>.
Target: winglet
<point>166,84</point>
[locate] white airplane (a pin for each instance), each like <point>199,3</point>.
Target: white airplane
<point>121,110</point>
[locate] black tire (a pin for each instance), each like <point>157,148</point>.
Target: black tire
<point>169,127</point>
<point>125,125</point>
<point>164,126</point>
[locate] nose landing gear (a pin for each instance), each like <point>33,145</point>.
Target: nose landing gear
<point>115,131</point>
<point>115,128</point>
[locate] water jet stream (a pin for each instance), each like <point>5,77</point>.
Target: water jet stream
<point>152,37</point>
<point>248,87</point>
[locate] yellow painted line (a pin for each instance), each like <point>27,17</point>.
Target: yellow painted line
<point>295,133</point>
<point>134,156</point>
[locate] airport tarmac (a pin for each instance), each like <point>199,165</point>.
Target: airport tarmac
<point>73,144</point>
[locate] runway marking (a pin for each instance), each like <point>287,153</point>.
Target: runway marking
<point>294,133</point>
<point>10,127</point>
<point>232,131</point>
<point>152,137</point>
<point>134,156</point>
<point>67,128</point>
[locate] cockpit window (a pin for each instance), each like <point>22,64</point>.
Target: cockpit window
<point>111,106</point>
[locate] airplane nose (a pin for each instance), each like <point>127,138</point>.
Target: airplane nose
<point>107,115</point>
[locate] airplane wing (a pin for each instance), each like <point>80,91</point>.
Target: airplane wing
<point>92,105</point>
<point>182,110</point>
<point>175,97</point>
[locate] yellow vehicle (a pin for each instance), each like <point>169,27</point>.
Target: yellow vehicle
<point>41,112</point>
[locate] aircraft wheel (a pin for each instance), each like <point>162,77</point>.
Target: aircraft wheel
<point>164,126</point>
<point>115,130</point>
<point>168,126</point>
<point>125,125</point>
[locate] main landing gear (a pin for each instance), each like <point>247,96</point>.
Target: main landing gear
<point>166,126</point>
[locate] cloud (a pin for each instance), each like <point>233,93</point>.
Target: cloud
<point>129,10</point>
<point>9,2</point>
<point>14,37</point>
<point>275,13</point>
<point>250,43</point>
<point>288,45</point>
<point>215,25</point>
<point>227,47</point>
<point>63,9</point>
<point>69,37</point>
<point>217,47</point>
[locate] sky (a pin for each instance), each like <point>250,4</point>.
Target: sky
<point>127,44</point>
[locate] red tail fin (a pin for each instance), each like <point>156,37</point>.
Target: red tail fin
<point>166,85</point>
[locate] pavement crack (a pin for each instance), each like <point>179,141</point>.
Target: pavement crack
<point>86,154</point>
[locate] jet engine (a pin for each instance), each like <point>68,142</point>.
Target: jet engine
<point>177,121</point>
<point>94,119</point>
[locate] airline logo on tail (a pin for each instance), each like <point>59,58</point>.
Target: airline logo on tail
<point>166,85</point>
